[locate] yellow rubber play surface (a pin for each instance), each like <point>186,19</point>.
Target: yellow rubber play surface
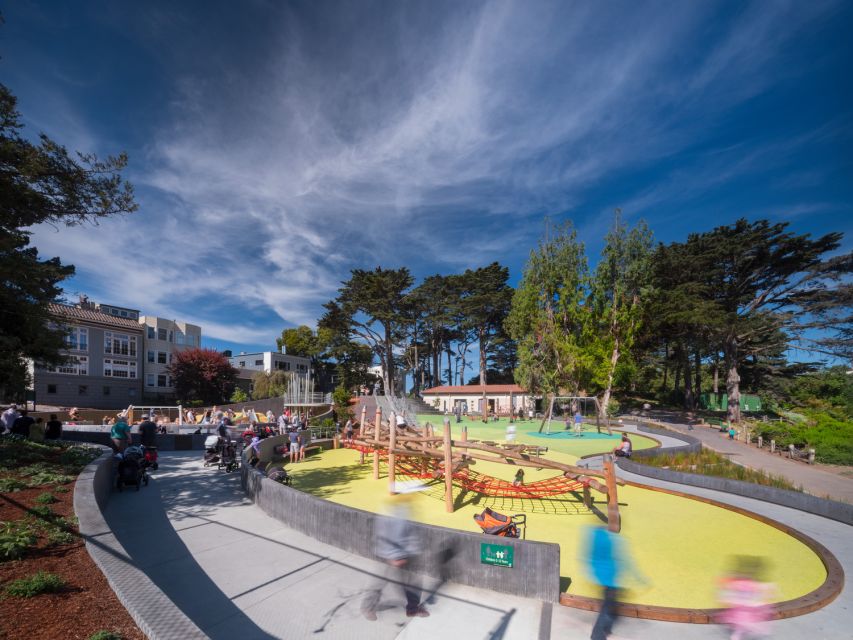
<point>681,546</point>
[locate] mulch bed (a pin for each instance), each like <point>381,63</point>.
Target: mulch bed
<point>86,604</point>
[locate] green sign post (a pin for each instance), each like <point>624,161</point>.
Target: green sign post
<point>497,554</point>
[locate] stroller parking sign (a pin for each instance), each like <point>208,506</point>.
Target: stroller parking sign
<point>497,554</point>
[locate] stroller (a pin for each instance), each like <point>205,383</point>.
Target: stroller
<point>212,450</point>
<point>132,469</point>
<point>151,457</point>
<point>223,453</point>
<point>497,524</point>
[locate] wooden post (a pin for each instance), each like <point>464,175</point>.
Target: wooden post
<point>363,423</point>
<point>424,447</point>
<point>614,522</point>
<point>376,437</point>
<point>811,456</point>
<point>392,457</point>
<point>791,451</point>
<point>772,446</point>
<point>587,496</point>
<point>760,442</point>
<point>448,468</point>
<point>464,434</point>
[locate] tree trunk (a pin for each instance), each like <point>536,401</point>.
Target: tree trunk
<point>732,380</point>
<point>716,375</point>
<point>389,363</point>
<point>605,397</point>
<point>449,365</point>
<point>485,407</point>
<point>664,388</point>
<point>677,381</point>
<point>697,362</point>
<point>689,398</point>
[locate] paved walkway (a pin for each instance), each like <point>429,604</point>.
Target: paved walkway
<point>237,573</point>
<point>815,479</point>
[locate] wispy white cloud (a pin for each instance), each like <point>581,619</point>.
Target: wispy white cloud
<point>432,139</point>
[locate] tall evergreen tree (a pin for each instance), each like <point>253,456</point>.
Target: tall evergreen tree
<point>42,182</point>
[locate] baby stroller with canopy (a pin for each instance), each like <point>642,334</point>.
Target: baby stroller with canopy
<point>132,469</point>
<point>497,524</point>
<point>229,456</point>
<point>212,450</point>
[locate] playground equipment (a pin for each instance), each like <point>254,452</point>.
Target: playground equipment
<point>562,406</point>
<point>173,414</point>
<point>417,452</point>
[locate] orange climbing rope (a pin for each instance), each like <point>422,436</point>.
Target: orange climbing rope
<point>489,485</point>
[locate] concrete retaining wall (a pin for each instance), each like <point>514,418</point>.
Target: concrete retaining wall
<point>153,612</point>
<point>840,511</point>
<point>536,570</point>
<point>165,441</point>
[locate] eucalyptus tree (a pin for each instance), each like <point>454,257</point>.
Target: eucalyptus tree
<point>550,319</point>
<point>619,292</point>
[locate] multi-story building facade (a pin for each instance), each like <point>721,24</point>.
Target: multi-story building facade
<point>104,360</point>
<point>162,339</point>
<point>248,364</point>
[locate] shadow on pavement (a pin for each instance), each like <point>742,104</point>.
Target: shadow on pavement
<point>140,523</point>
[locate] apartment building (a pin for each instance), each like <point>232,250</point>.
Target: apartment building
<point>104,365</point>
<point>162,339</point>
<point>270,361</point>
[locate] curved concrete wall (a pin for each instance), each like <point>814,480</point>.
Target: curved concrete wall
<point>153,612</point>
<point>536,570</point>
<point>840,511</point>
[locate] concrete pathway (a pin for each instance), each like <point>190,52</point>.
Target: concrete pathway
<point>815,479</point>
<point>237,573</point>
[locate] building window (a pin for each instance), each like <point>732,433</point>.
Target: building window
<point>161,357</point>
<point>150,356</point>
<point>119,368</point>
<point>83,390</point>
<point>119,344</point>
<point>77,339</point>
<point>124,314</point>
<point>259,363</point>
<point>151,333</point>
<point>161,380</point>
<point>106,391</point>
<point>74,366</point>
<point>149,380</point>
<point>243,363</point>
<point>51,388</point>
<point>179,337</point>
<point>162,334</point>
<point>170,335</point>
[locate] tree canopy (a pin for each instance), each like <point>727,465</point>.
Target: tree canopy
<point>41,182</point>
<point>202,375</point>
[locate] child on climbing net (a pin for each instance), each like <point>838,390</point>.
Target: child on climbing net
<point>519,478</point>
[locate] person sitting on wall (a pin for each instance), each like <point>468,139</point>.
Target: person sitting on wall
<point>53,428</point>
<point>625,449</point>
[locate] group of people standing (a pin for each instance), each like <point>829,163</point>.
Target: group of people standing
<point>19,422</point>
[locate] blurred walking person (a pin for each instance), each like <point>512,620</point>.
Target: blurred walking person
<point>609,566</point>
<point>397,545</point>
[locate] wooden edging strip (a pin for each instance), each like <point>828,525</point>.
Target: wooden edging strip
<point>812,601</point>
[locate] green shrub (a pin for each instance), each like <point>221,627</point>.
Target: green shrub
<point>8,485</point>
<point>48,477</point>
<point>16,538</point>
<point>104,635</point>
<point>58,537</point>
<point>36,584</point>
<point>710,463</point>
<point>76,458</point>
<point>61,489</point>
<point>46,498</point>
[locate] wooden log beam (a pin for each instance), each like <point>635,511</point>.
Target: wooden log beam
<point>376,424</point>
<point>392,459</point>
<point>448,465</point>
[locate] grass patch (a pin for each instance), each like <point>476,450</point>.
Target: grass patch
<point>36,584</point>
<point>710,463</point>
<point>46,498</point>
<point>104,635</point>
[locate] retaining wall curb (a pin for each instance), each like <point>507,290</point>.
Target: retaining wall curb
<point>153,612</point>
<point>832,509</point>
<point>536,570</point>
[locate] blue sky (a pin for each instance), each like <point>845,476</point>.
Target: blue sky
<point>275,146</point>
